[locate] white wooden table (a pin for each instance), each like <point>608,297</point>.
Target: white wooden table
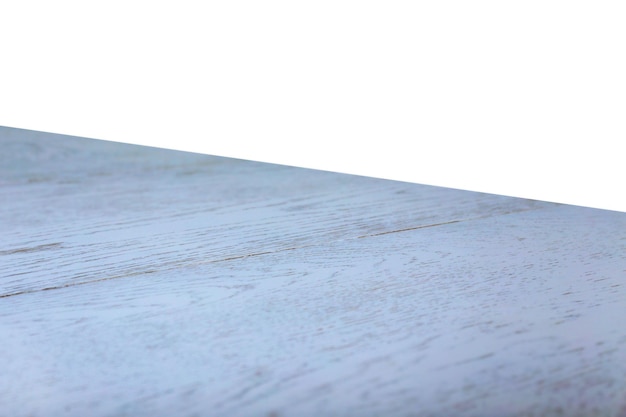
<point>143,282</point>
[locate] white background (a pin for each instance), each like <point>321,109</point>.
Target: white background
<point>509,97</point>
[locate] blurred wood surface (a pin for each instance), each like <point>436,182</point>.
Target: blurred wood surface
<point>137,281</point>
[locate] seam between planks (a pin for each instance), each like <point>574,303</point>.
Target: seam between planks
<point>232,258</point>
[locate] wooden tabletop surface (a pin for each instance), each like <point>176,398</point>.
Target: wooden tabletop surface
<point>137,281</point>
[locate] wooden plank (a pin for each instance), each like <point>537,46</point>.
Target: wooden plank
<point>143,282</point>
<point>85,210</point>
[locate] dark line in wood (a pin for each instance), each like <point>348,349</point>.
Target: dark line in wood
<point>72,284</point>
<point>31,249</point>
<point>412,228</point>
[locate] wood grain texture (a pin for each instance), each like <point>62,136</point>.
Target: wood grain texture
<point>249,289</point>
<point>77,206</point>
